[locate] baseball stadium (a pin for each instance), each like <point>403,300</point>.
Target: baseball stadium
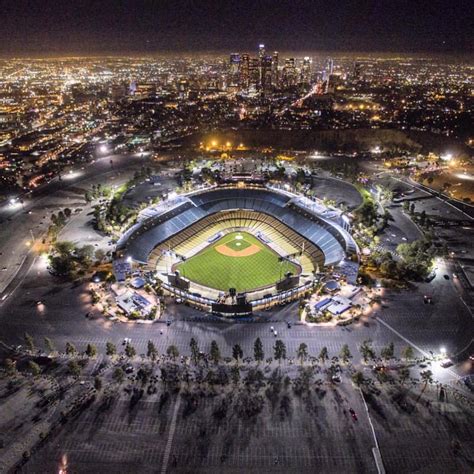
<point>238,246</point>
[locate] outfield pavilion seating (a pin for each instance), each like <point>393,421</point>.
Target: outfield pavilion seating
<point>327,241</point>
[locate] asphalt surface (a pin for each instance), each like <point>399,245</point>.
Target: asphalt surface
<point>445,324</point>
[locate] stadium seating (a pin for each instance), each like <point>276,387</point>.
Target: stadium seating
<point>187,226</point>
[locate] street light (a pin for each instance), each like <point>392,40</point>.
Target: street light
<point>103,149</point>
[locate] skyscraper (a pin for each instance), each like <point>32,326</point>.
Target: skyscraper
<point>306,70</point>
<point>266,73</point>
<point>275,78</point>
<point>289,72</point>
<point>245,71</point>
<point>234,70</point>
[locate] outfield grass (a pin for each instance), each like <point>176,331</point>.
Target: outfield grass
<point>215,270</point>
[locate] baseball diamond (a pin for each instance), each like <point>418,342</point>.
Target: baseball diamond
<point>226,264</point>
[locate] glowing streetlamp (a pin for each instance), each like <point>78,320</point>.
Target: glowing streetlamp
<point>103,149</point>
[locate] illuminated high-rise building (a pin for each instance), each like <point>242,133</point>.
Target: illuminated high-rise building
<point>255,72</point>
<point>234,70</point>
<point>245,71</point>
<point>289,72</point>
<point>275,78</point>
<point>266,73</point>
<point>306,70</point>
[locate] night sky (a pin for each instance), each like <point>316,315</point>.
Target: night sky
<point>49,27</point>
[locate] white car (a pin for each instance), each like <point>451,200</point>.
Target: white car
<point>445,363</point>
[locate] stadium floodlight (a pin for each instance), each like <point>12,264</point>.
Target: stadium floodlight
<point>103,149</point>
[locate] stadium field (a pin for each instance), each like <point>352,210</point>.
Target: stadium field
<point>238,260</point>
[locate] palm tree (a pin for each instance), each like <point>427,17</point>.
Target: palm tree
<point>258,353</point>
<point>110,349</point>
<point>49,344</point>
<point>91,350</point>
<point>403,374</point>
<point>152,351</point>
<point>345,354</point>
<point>407,353</point>
<point>323,355</point>
<point>118,375</point>
<point>367,350</point>
<point>302,352</point>
<point>387,352</point>
<point>215,353</point>
<point>70,349</point>
<point>280,350</point>
<point>237,353</point>
<point>130,351</point>
<point>358,378</point>
<point>427,378</point>
<point>194,350</point>
<point>172,351</point>
<point>29,341</point>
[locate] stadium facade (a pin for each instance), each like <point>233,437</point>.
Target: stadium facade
<point>299,228</point>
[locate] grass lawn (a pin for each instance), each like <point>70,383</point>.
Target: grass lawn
<point>213,269</point>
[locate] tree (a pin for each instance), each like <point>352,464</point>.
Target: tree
<point>403,375</point>
<point>258,353</point>
<point>10,367</point>
<point>279,350</point>
<point>49,344</point>
<point>30,342</point>
<point>110,349</point>
<point>98,383</point>
<point>387,352</point>
<point>99,255</point>
<point>358,378</point>
<point>34,368</point>
<point>323,355</point>
<point>67,212</point>
<point>345,354</point>
<point>74,368</point>
<point>215,353</point>
<point>237,353</point>
<point>85,253</point>
<point>152,351</point>
<point>407,353</point>
<point>235,374</point>
<point>118,375</point>
<point>427,378</point>
<point>367,350</point>
<point>130,351</point>
<point>91,350</point>
<point>70,349</point>
<point>194,350</point>
<point>172,351</point>
<point>302,352</point>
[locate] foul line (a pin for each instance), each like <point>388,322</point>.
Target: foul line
<point>169,442</point>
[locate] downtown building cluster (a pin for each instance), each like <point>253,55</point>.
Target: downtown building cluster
<point>263,72</point>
